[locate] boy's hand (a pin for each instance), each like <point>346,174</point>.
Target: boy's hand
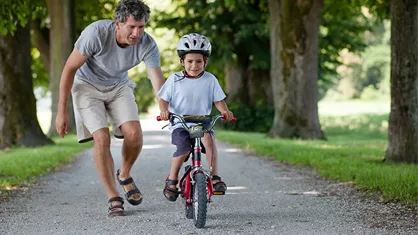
<point>228,115</point>
<point>165,115</point>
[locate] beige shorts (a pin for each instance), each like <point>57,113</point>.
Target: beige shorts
<point>94,103</point>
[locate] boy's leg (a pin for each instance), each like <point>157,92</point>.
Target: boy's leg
<point>219,186</point>
<point>181,139</point>
<point>211,153</point>
<point>176,164</point>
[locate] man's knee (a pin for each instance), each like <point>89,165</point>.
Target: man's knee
<point>102,138</point>
<point>132,132</point>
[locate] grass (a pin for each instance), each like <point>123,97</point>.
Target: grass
<point>354,152</point>
<point>20,166</point>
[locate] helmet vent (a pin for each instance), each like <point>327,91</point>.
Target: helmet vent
<point>187,45</point>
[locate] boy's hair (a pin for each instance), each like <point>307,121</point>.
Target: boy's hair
<point>135,8</point>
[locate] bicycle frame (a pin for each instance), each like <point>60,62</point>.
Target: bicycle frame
<point>196,132</point>
<point>196,183</point>
<point>188,177</point>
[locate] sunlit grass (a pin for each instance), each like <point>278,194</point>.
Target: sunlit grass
<point>354,152</point>
<point>20,165</point>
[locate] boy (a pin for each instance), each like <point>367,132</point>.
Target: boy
<point>192,92</point>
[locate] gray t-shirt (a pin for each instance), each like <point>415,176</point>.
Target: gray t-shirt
<point>191,96</point>
<point>107,63</point>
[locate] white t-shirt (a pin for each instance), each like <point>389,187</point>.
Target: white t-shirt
<point>189,96</point>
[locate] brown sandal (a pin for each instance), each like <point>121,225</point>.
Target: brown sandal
<point>130,193</point>
<point>170,193</point>
<point>116,210</point>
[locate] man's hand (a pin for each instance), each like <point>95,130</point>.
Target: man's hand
<point>164,114</point>
<point>228,115</point>
<point>61,124</point>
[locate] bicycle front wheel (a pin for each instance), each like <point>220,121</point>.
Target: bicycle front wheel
<point>200,200</point>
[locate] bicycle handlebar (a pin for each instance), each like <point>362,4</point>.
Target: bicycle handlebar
<point>183,121</point>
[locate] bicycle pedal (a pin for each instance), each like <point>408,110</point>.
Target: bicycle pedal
<point>218,193</point>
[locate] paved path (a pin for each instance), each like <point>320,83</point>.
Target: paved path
<point>263,198</point>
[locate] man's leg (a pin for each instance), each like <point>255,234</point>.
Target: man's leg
<point>104,162</point>
<point>132,146</point>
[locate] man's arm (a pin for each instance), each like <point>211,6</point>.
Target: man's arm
<point>74,62</point>
<point>156,77</point>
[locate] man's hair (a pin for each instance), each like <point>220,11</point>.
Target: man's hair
<point>135,8</point>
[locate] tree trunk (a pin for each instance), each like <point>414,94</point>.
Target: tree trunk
<point>18,121</point>
<point>294,33</point>
<point>61,45</point>
<point>236,83</point>
<point>41,41</point>
<point>403,118</point>
<point>259,87</point>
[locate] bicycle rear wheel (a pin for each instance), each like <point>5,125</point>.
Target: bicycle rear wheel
<point>200,200</point>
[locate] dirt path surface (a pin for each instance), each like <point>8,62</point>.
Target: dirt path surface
<point>263,198</point>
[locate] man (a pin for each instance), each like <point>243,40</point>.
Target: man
<point>96,75</point>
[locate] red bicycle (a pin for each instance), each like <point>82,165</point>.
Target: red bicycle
<point>196,183</point>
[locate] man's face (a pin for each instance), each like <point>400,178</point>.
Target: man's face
<point>129,32</point>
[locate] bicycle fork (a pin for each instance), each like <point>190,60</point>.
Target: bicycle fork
<point>190,171</point>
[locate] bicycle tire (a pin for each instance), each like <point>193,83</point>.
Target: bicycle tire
<point>200,200</point>
<point>189,209</point>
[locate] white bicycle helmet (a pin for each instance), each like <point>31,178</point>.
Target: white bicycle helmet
<point>194,43</point>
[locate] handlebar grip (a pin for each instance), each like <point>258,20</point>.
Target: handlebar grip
<point>234,119</point>
<point>159,118</point>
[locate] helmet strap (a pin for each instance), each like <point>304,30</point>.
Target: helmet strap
<point>188,76</point>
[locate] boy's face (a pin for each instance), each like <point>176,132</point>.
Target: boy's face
<point>193,63</point>
<point>129,32</point>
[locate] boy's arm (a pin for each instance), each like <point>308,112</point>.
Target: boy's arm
<point>223,108</point>
<point>164,113</point>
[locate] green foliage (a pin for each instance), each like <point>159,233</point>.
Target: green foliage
<point>144,93</point>
<point>12,14</point>
<point>353,153</point>
<point>366,75</point>
<point>88,11</point>
<point>342,27</point>
<point>39,74</point>
<point>255,119</point>
<point>237,29</point>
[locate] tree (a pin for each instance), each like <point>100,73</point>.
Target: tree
<point>294,27</point>
<point>55,29</point>
<point>240,42</point>
<point>61,38</point>
<point>403,118</point>
<point>18,121</point>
